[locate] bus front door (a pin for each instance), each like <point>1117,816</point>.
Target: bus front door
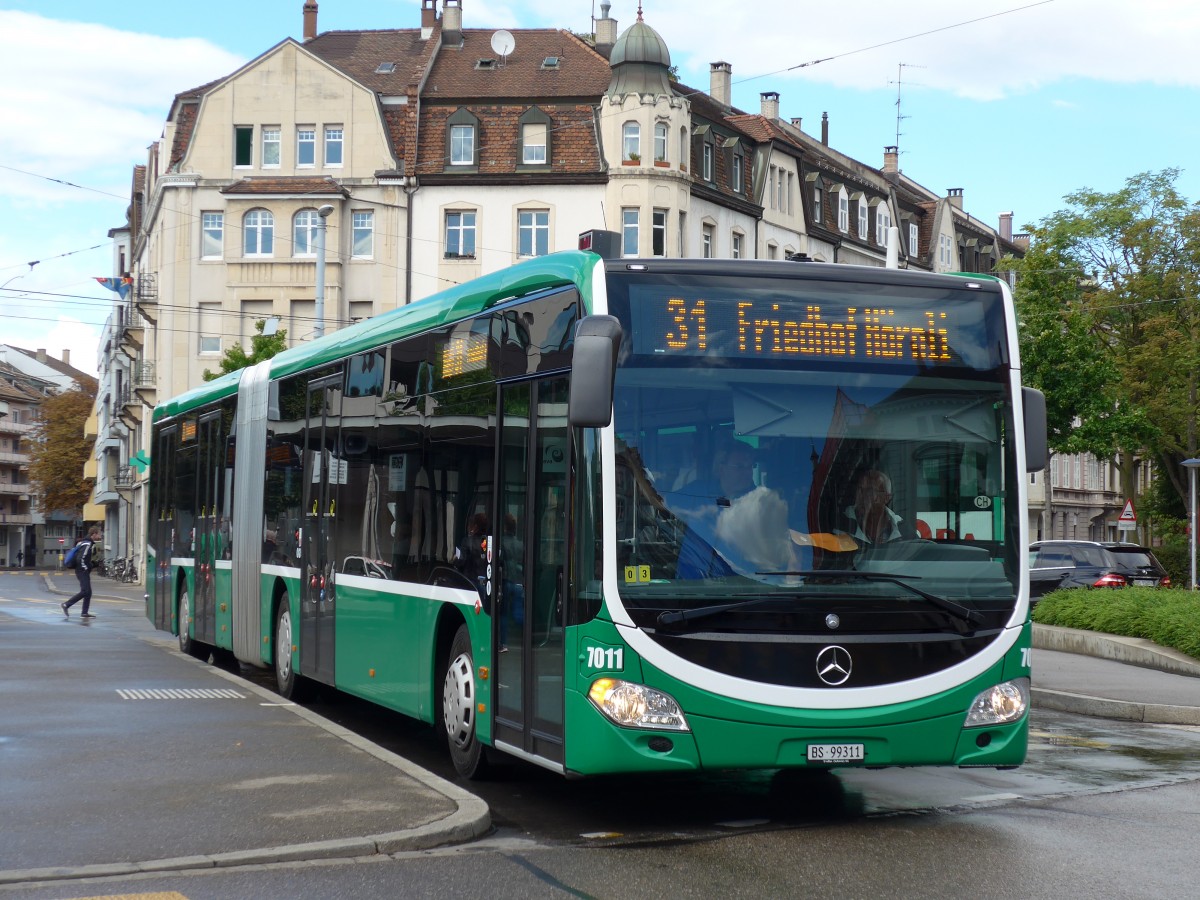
<point>323,471</point>
<point>531,527</point>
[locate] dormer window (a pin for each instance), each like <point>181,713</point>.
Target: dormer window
<point>536,130</point>
<point>462,144</point>
<point>843,210</point>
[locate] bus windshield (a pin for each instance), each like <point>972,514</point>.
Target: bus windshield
<point>812,439</point>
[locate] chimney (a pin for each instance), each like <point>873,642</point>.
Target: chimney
<point>451,23</point>
<point>796,120</point>
<point>825,128</point>
<point>770,104</point>
<point>66,357</point>
<point>606,30</point>
<point>428,18</point>
<point>310,19</point>
<point>40,356</point>
<point>955,196</point>
<point>891,160</point>
<point>1006,225</point>
<point>720,83</point>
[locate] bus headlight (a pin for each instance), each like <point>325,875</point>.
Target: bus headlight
<point>636,706</point>
<point>1000,704</point>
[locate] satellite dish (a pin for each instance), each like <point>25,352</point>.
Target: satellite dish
<point>503,43</point>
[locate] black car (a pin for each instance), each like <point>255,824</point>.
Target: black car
<point>1069,564</point>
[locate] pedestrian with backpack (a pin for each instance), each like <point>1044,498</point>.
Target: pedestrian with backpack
<point>80,557</point>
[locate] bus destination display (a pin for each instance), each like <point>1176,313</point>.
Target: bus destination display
<point>675,325</point>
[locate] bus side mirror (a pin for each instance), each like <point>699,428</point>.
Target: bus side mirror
<point>1036,448</point>
<point>593,370</point>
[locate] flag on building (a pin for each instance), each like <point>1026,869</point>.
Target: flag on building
<point>120,285</point>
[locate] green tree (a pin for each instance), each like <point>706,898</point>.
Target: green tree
<point>61,450</point>
<point>262,346</point>
<point>1121,269</point>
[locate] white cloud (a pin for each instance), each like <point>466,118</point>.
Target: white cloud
<point>77,107</point>
<point>1022,44</point>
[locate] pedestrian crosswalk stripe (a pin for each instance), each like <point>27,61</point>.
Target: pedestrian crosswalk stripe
<point>179,694</point>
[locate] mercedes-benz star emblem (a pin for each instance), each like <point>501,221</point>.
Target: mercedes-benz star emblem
<point>834,665</point>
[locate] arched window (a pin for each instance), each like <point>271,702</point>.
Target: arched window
<point>304,233</point>
<point>660,141</point>
<point>631,141</point>
<point>258,233</point>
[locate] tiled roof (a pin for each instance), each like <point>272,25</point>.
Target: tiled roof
<point>580,70</point>
<point>284,185</point>
<point>361,54</point>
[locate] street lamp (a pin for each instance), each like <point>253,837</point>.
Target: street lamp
<point>322,216</point>
<point>1191,465</point>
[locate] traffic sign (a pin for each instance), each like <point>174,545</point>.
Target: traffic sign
<point>1127,514</point>
<point>62,540</point>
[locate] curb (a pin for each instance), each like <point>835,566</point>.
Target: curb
<point>1130,651</point>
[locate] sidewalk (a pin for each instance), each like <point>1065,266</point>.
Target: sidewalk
<point>125,756</point>
<point>1114,677</point>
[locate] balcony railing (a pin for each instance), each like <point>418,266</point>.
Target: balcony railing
<point>125,477</point>
<point>14,488</point>
<point>8,458</point>
<point>16,518</point>
<point>143,375</point>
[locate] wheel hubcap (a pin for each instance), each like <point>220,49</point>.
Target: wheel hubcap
<point>283,646</point>
<point>458,701</point>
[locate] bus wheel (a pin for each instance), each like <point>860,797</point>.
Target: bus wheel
<point>458,708</point>
<point>183,617</point>
<point>290,685</point>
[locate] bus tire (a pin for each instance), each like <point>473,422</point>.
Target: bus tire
<point>290,684</point>
<point>184,619</point>
<point>459,708</point>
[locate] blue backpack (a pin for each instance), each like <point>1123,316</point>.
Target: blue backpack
<point>69,559</point>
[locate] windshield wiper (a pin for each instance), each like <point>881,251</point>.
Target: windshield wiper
<point>955,609</point>
<point>676,616</point>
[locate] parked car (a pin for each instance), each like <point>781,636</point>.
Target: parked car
<point>1098,564</point>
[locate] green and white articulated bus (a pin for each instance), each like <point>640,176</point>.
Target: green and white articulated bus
<point>503,510</point>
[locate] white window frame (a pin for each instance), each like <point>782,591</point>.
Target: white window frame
<point>863,218</point>
<point>818,212</point>
<point>335,146</point>
<point>461,224</point>
<point>272,146</point>
<point>259,224</point>
<point>304,233</point>
<point>914,239</point>
<point>658,232</point>
<point>843,211</point>
<point>660,141</point>
<point>362,232</point>
<point>237,131</point>
<point>212,235</point>
<point>208,343</point>
<point>533,232</point>
<point>707,155</point>
<point>738,174</point>
<point>631,142</point>
<point>306,140</point>
<point>735,245</point>
<point>533,143</point>
<point>630,231</point>
<point>707,241</point>
<point>462,145</point>
<point>883,224</point>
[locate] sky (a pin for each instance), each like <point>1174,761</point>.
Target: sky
<point>1017,102</point>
